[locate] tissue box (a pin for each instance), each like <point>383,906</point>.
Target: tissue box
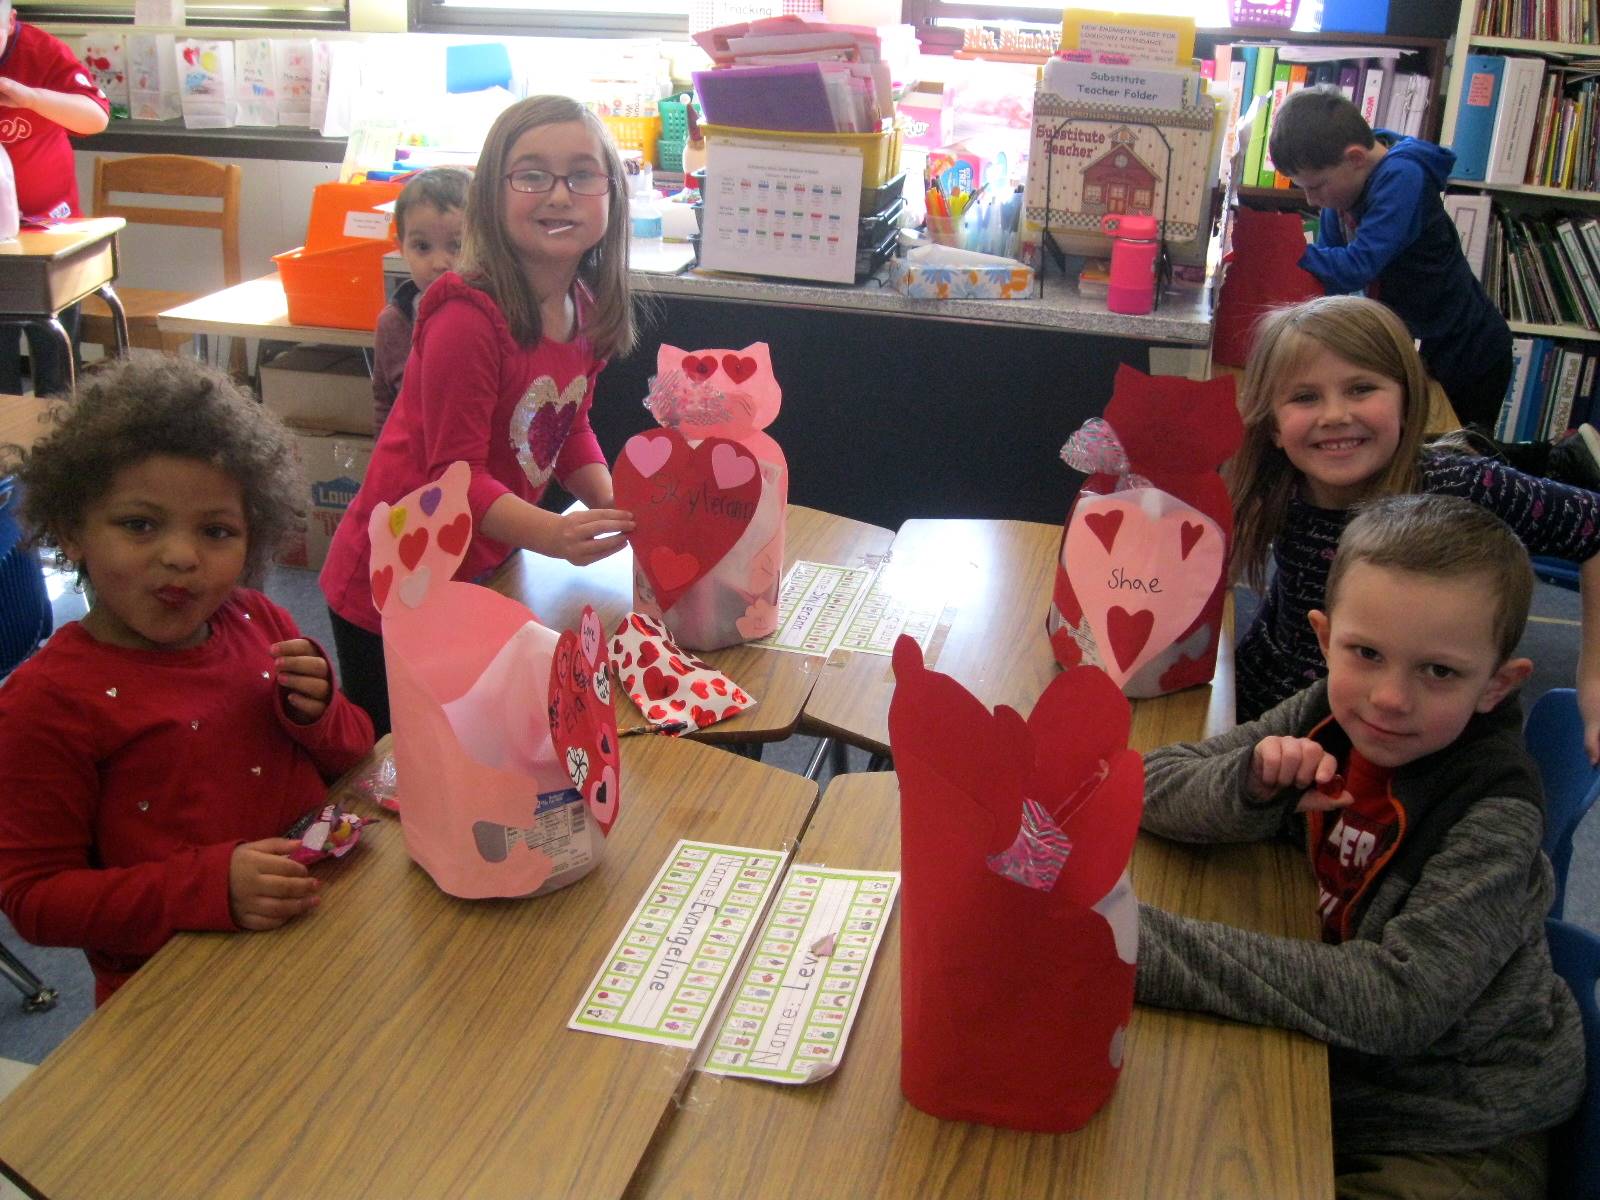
<point>988,281</point>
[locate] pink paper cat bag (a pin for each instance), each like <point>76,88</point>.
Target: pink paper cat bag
<point>709,493</point>
<point>505,743</point>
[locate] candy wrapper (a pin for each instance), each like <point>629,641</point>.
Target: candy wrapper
<point>1143,567</point>
<point>709,494</point>
<point>1019,924</point>
<point>327,832</point>
<point>677,692</point>
<point>505,741</point>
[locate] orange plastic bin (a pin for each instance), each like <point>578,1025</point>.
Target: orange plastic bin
<point>336,278</point>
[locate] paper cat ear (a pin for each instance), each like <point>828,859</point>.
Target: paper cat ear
<point>419,541</point>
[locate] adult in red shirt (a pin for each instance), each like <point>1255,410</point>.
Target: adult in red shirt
<point>45,95</point>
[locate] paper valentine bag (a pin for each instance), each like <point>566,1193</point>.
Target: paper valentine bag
<point>1143,568</point>
<point>709,493</point>
<point>1019,924</point>
<point>505,742</point>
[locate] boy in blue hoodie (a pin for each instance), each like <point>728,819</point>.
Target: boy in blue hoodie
<point>1385,232</point>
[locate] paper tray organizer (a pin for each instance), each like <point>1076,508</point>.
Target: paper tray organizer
<point>876,236</point>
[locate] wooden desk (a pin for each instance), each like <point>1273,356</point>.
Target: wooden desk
<point>44,271</point>
<point>397,1042</point>
<point>997,578</point>
<point>21,420</point>
<point>256,308</point>
<point>1204,1108</point>
<point>557,591</point>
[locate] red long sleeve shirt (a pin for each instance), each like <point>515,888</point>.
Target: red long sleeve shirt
<point>127,777</point>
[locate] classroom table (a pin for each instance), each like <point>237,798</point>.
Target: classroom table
<point>21,420</point>
<point>557,591</point>
<point>396,1042</point>
<point>43,271</point>
<point>1204,1107</point>
<point>996,580</point>
<point>256,308</point>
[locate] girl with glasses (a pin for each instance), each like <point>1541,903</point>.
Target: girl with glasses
<point>502,370</point>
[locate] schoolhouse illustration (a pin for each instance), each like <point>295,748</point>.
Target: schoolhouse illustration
<point>1119,181</point>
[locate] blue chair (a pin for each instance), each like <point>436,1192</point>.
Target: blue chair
<point>1557,571</point>
<point>1575,1147</point>
<point>1554,736</point>
<point>25,617</point>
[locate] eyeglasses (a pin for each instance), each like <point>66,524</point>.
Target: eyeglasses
<point>579,183</point>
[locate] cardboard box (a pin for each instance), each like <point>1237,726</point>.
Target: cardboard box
<point>320,387</point>
<point>334,466</point>
<point>927,115</point>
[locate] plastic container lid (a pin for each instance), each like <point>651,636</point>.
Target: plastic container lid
<point>1130,225</point>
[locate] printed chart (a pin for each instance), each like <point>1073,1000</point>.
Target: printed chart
<point>823,608</point>
<point>798,997</point>
<point>775,209</point>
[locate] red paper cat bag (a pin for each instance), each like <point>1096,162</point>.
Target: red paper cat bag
<point>1143,567</point>
<point>709,493</point>
<point>1019,924</point>
<point>505,742</point>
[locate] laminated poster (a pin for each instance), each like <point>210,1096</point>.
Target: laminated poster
<point>662,978</point>
<point>823,608</point>
<point>798,997</point>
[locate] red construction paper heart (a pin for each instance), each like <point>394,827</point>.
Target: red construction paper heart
<point>699,367</point>
<point>738,367</point>
<point>1105,526</point>
<point>1189,535</point>
<point>1128,632</point>
<point>382,581</point>
<point>583,725</point>
<point>688,507</point>
<point>453,537</point>
<point>412,546</point>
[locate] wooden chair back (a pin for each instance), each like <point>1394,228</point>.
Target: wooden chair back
<point>174,175</point>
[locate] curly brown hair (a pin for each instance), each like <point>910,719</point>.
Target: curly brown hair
<point>127,411</point>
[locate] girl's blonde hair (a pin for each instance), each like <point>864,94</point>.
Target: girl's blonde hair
<point>489,261</point>
<point>1261,479</point>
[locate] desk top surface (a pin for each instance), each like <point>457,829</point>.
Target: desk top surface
<point>61,238</point>
<point>1203,1108</point>
<point>397,1042</point>
<point>257,308</point>
<point>557,591</point>
<point>996,579</point>
<point>22,420</point>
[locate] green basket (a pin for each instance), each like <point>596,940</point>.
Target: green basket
<point>674,119</point>
<point>669,155</point>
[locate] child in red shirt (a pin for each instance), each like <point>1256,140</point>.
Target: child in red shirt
<point>45,94</point>
<point>152,753</point>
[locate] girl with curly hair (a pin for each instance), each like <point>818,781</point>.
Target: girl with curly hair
<point>151,753</point>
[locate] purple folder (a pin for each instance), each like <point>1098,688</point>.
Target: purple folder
<point>792,98</point>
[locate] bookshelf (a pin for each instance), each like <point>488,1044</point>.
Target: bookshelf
<point>1524,198</point>
<point>1430,50</point>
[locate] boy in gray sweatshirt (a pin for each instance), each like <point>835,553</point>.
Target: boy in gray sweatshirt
<point>1453,1046</point>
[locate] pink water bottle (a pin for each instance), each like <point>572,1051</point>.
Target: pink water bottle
<point>1134,248</point>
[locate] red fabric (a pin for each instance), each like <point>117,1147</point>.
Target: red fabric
<point>120,815</point>
<point>41,154</point>
<point>1176,433</point>
<point>1353,843</point>
<point>1014,1000</point>
<point>464,385</point>
<point>1264,272</point>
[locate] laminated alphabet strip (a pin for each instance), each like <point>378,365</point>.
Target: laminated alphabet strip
<point>816,605</point>
<point>884,616</point>
<point>664,974</point>
<point>798,997</point>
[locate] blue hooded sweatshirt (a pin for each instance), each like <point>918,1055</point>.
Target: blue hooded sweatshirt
<point>1405,242</point>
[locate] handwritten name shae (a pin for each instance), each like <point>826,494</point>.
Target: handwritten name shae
<point>1122,581</point>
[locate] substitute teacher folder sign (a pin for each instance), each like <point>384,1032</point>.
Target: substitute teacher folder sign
<point>773,210</point>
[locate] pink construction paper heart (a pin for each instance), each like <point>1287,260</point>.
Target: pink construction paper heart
<point>1145,584</point>
<point>648,454</point>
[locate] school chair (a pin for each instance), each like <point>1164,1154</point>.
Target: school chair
<point>1575,1146</point>
<point>25,621</point>
<point>1557,571</point>
<point>163,175</point>
<point>1554,737</point>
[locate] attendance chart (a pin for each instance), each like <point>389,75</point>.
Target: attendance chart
<point>780,211</point>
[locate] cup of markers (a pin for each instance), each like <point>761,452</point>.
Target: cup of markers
<point>984,220</point>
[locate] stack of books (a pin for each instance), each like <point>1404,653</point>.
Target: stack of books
<point>1384,82</point>
<point>1542,20</point>
<point>1552,390</point>
<point>1544,270</point>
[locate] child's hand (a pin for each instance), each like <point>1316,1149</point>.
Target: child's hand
<point>267,889</point>
<point>303,675</point>
<point>591,534</point>
<point>1280,763</point>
